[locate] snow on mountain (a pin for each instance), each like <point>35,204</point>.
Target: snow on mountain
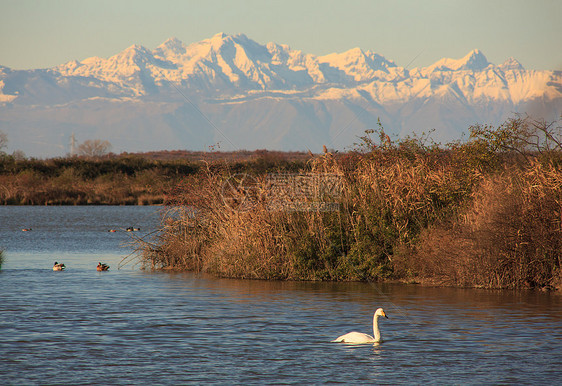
<point>473,61</point>
<point>230,63</point>
<point>150,95</point>
<point>361,66</point>
<point>511,64</point>
<point>172,49</point>
<point>130,70</point>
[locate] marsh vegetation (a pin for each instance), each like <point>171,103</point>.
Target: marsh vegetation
<point>126,179</point>
<point>485,212</point>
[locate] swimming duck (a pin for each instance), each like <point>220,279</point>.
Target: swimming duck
<point>58,266</point>
<point>26,230</point>
<point>102,267</point>
<point>359,337</point>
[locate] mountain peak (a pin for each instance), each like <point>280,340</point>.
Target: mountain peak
<point>219,40</point>
<point>355,51</point>
<point>134,47</point>
<point>133,51</point>
<point>220,35</point>
<point>171,47</point>
<point>358,64</point>
<point>172,42</point>
<point>511,64</point>
<point>473,61</point>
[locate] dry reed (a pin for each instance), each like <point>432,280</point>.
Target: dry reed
<point>473,214</point>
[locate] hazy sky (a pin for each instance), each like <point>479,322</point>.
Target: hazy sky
<point>39,34</point>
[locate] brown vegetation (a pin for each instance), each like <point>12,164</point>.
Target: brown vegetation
<point>510,236</point>
<point>81,182</point>
<point>127,179</point>
<point>482,213</point>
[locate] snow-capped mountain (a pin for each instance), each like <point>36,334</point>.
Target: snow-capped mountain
<point>234,91</point>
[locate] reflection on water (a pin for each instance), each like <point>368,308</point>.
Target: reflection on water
<point>129,326</point>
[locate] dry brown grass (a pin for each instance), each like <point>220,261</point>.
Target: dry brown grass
<point>509,237</point>
<point>386,201</point>
<point>474,214</point>
<point>225,241</point>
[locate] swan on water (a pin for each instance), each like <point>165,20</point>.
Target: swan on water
<point>359,337</point>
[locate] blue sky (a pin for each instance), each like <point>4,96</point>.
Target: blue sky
<point>39,34</point>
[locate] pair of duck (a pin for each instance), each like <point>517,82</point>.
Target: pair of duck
<point>129,229</point>
<point>61,267</point>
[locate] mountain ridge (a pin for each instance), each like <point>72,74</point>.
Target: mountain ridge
<point>187,92</point>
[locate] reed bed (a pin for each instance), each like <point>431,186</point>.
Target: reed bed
<point>77,181</point>
<point>472,214</point>
<point>509,237</point>
<point>119,179</point>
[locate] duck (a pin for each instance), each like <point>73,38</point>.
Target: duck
<point>58,266</point>
<point>355,337</point>
<point>26,230</point>
<point>102,267</point>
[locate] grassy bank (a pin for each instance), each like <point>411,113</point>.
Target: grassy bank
<point>483,213</point>
<point>143,179</point>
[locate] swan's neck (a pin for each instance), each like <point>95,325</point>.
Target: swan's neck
<point>376,331</point>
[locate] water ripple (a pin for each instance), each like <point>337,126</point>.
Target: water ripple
<point>133,327</point>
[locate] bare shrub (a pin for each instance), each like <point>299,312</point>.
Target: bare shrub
<point>94,148</point>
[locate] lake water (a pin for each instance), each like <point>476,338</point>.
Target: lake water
<point>129,326</point>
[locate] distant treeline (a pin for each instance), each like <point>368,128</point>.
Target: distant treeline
<point>486,212</point>
<point>127,179</point>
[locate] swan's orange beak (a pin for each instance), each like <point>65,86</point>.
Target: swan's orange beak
<point>384,314</point>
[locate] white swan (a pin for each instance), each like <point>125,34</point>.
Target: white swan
<point>359,337</point>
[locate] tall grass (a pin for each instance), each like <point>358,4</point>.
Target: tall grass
<point>509,234</point>
<point>509,237</point>
<point>469,214</point>
<point>387,196</point>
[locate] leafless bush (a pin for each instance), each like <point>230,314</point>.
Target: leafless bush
<point>94,148</point>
